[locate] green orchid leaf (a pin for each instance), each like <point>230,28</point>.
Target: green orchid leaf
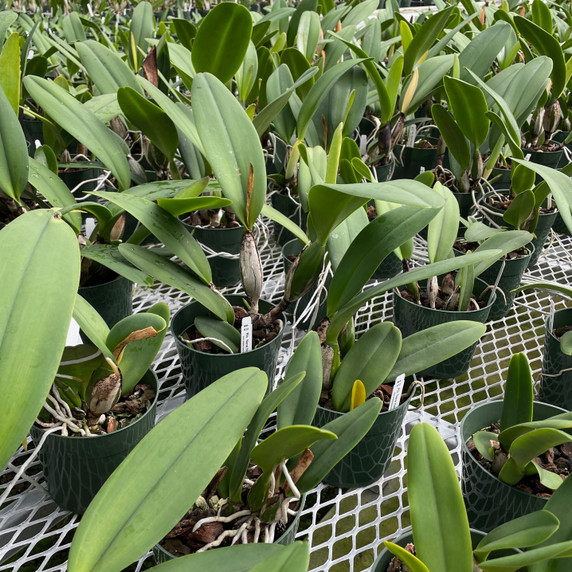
<point>72,27</point>
<point>150,119</point>
<point>222,40</point>
<point>530,557</point>
<point>542,16</point>
<point>237,469</point>
<point>10,70</point>
<point>521,209</point>
<point>440,526</point>
<point>276,216</point>
<point>478,231</point>
<point>109,256</point>
<point>83,125</point>
<point>566,343</point>
<point>238,558</point>
<point>231,146</point>
<point>178,207</point>
<point>135,326</point>
<point>105,107</point>
<point>389,230</point>
<point>343,235</point>
<point>561,421</point>
<point>140,30</point>
<point>526,447</point>
<point>547,478</point>
<point>170,273</point>
<point>412,562</point>
<point>427,348</point>
<point>299,407</point>
<point>443,227</point>
<point>38,248</point>
<point>140,354</point>
<point>285,444</point>
<point>247,73</point>
<point>220,333</point>
<point>329,205</point>
<point>521,178</point>
<point>468,105</point>
<point>452,135</point>
<point>54,190</point>
<point>294,557</point>
<point>131,495</point>
<point>167,228</point>
<point>504,241</point>
<point>546,286</point>
<point>465,278</point>
<point>524,532</point>
<point>350,429</point>
<point>519,394</point>
<point>482,441</point>
<point>13,151</point>
<point>370,359</point>
<point>92,325</point>
<point>308,34</point>
<point>105,68</point>
<point>304,272</point>
<point>545,44</point>
<point>339,320</point>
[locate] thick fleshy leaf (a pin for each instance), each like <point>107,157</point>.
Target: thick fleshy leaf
<point>153,495</point>
<point>92,325</point>
<point>526,447</point>
<point>519,395</point>
<point>440,525</point>
<point>13,151</point>
<point>221,333</point>
<point>294,558</point>
<point>222,40</point>
<point>276,216</point>
<point>452,135</point>
<point>10,70</point>
<point>231,146</point>
<point>414,564</point>
<point>505,242</point>
<point>109,256</point>
<point>39,276</point>
<point>83,125</point>
<point>435,344</point>
<point>167,228</point>
<point>533,557</point>
<point>370,359</point>
<point>162,269</point>
<point>350,428</point>
<point>140,31</point>
<point>105,68</point>
<point>443,228</point>
<point>520,209</point>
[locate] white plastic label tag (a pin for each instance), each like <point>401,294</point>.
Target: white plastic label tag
<point>246,334</point>
<point>397,392</point>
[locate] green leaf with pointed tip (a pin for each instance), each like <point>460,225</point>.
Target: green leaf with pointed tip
<point>105,68</point>
<point>139,355</point>
<point>561,421</point>
<point>427,348</point>
<point>412,562</point>
<point>443,228</point>
<point>219,331</point>
<point>276,216</point>
<point>132,495</point>
<point>54,190</point>
<point>530,557</point>
<point>468,105</point>
<point>177,206</point>
<point>10,70</point>
<point>141,28</point>
<point>520,209</point>
<point>237,558</point>
<point>505,242</point>
<point>547,478</point>
<point>72,27</point>
<point>162,269</point>
<point>389,231</point>
<point>566,343</point>
<point>528,446</point>
<point>299,407</point>
<point>545,44</point>
<point>13,151</point>
<point>38,249</point>
<point>222,40</point>
<point>350,429</point>
<point>519,394</point>
<point>92,324</point>
<point>482,441</point>
<point>440,526</point>
<point>83,125</point>
<point>150,119</point>
<point>452,135</point>
<point>370,359</point>
<point>329,205</point>
<point>109,256</point>
<point>547,286</point>
<point>231,145</point>
<point>167,228</point>
<point>521,178</point>
<point>523,532</point>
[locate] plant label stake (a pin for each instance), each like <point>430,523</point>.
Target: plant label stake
<point>246,334</point>
<point>397,392</point>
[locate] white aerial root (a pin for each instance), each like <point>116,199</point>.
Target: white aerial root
<point>230,518</point>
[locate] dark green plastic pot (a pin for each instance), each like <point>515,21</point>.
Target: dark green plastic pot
<point>287,537</point>
<point>225,271</point>
<point>113,300</point>
<point>292,209</point>
<point>548,158</point>
<point>367,462</point>
<point>541,232</point>
<point>489,501</point>
<point>411,318</point>
<point>75,468</point>
<point>556,387</point>
<point>33,130</point>
<point>293,248</point>
<point>200,369</point>
<point>500,178</point>
<point>411,160</point>
<point>383,560</point>
<point>384,172</point>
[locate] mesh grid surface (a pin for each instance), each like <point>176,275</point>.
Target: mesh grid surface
<point>345,528</point>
